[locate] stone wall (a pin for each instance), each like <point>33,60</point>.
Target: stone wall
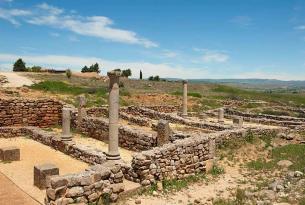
<point>78,151</point>
<point>102,181</point>
<point>133,119</point>
<point>266,119</point>
<point>164,108</point>
<point>183,157</point>
<point>29,112</point>
<point>129,137</point>
<point>173,118</point>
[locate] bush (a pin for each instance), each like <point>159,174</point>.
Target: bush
<point>154,78</point>
<point>36,69</point>
<point>68,73</point>
<point>126,73</point>
<point>19,66</point>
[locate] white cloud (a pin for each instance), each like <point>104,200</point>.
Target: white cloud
<point>300,27</point>
<point>243,21</point>
<point>215,57</point>
<point>73,39</point>
<point>11,14</point>
<point>76,62</point>
<point>94,26</point>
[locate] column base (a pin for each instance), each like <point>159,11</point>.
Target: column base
<point>113,156</point>
<point>66,138</point>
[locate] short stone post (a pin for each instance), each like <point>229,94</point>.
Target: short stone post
<point>66,123</point>
<point>184,102</point>
<point>163,131</point>
<point>220,116</point>
<point>81,110</point>
<point>238,122</point>
<point>113,146</point>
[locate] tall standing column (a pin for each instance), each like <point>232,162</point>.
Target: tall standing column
<point>184,103</point>
<point>81,111</point>
<point>113,146</point>
<point>66,123</point>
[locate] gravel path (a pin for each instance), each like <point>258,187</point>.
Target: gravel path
<point>34,153</point>
<point>15,79</point>
<point>11,194</point>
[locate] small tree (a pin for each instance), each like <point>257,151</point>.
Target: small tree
<point>19,66</point>
<point>36,69</point>
<point>156,78</point>
<point>85,69</point>
<point>151,78</point>
<point>68,73</point>
<point>141,75</point>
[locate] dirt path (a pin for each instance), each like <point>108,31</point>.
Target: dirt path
<point>34,153</point>
<point>11,194</point>
<point>15,80</point>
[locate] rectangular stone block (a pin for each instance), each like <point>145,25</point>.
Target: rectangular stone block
<point>10,153</point>
<point>42,174</point>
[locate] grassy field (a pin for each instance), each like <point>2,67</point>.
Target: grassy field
<point>206,95</point>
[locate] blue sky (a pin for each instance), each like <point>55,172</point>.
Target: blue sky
<point>169,38</point>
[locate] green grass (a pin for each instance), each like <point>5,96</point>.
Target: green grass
<point>216,170</point>
<point>269,96</point>
<point>193,94</point>
<point>292,152</point>
<point>64,88</point>
<point>275,112</point>
<point>261,164</point>
<point>240,199</point>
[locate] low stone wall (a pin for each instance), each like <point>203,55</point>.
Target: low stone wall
<point>183,157</point>
<point>266,119</point>
<point>78,151</point>
<point>30,112</point>
<point>164,108</point>
<point>102,181</point>
<point>129,137</point>
<point>174,118</point>
<point>133,119</point>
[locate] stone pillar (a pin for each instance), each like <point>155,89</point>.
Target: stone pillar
<point>184,102</point>
<point>164,132</point>
<point>238,122</point>
<point>220,115</point>
<point>81,110</point>
<point>66,122</point>
<point>113,146</point>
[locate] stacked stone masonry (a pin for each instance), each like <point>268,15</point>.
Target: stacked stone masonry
<point>101,181</point>
<point>29,112</point>
<point>129,137</point>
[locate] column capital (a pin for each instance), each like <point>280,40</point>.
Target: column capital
<point>114,74</point>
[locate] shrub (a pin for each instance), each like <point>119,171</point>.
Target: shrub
<point>154,78</point>
<point>68,73</point>
<point>126,73</point>
<point>36,69</point>
<point>19,66</point>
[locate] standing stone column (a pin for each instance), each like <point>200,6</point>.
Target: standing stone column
<point>113,146</point>
<point>184,102</point>
<point>66,123</point>
<point>81,111</point>
<point>220,116</point>
<point>164,132</point>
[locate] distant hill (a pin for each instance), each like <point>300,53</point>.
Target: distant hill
<point>252,83</point>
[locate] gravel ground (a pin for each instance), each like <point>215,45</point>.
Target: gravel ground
<point>34,153</point>
<point>15,80</point>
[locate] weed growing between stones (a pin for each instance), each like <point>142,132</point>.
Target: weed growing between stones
<point>216,170</point>
<point>240,199</point>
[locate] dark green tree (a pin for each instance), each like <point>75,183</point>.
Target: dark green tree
<point>19,66</point>
<point>141,75</point>
<point>85,69</point>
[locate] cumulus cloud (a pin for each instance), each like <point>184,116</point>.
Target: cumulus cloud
<point>76,62</point>
<point>12,14</point>
<point>94,26</point>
